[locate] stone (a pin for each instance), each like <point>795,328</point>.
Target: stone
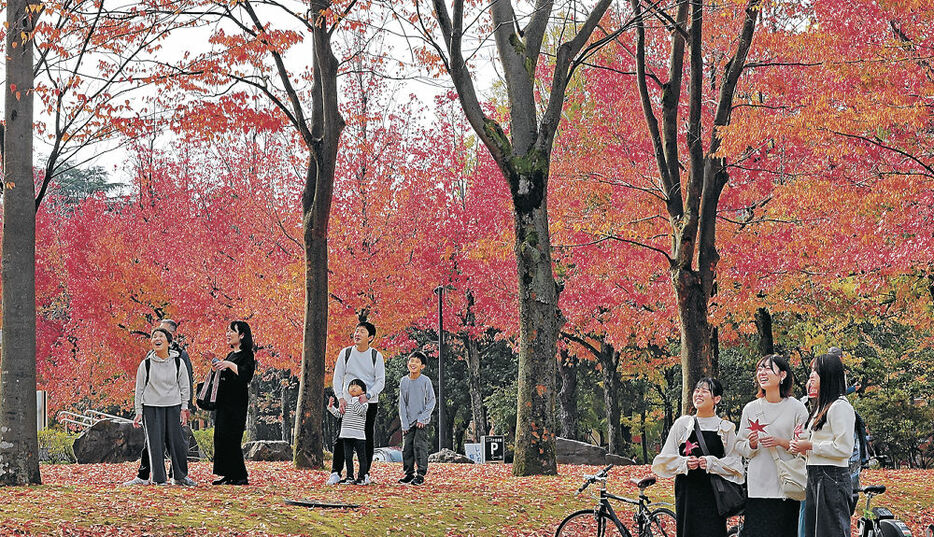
<point>574,452</point>
<point>446,455</point>
<point>267,450</point>
<point>112,441</point>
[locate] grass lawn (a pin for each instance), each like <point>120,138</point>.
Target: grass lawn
<point>456,500</point>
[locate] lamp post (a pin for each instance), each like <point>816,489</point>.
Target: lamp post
<point>440,292</point>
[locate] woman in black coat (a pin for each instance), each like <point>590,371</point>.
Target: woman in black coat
<point>236,372</point>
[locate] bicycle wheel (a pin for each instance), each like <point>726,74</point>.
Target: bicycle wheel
<point>587,523</point>
<point>662,523</point>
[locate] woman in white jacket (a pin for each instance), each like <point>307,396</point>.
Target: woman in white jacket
<point>828,448</point>
<point>683,458</point>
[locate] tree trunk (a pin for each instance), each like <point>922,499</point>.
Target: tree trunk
<point>327,125</point>
<point>764,328</point>
<point>284,407</point>
<point>568,411</point>
<point>478,412</point>
<point>252,434</point>
<point>535,452</point>
<point>609,360</point>
<point>19,446</point>
<point>695,333</point>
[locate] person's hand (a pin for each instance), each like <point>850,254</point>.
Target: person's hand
<point>362,399</point>
<point>342,405</point>
<point>184,418</point>
<point>420,425</point>
<point>137,420</point>
<point>702,463</point>
<point>221,365</point>
<point>800,446</point>
<point>330,401</point>
<point>754,439</point>
<point>769,441</point>
<point>405,431</point>
<point>693,463</point>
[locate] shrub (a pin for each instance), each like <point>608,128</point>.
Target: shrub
<point>56,446</point>
<point>205,439</point>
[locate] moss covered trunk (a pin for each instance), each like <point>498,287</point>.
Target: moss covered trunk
<point>538,334</point>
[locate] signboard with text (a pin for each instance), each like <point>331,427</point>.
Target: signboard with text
<point>494,448</point>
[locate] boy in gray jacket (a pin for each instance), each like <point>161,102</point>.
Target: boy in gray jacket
<point>416,404</point>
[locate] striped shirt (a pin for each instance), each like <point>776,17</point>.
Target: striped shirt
<point>353,422</point>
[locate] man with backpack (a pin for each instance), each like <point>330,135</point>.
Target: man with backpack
<point>359,361</point>
<point>142,476</point>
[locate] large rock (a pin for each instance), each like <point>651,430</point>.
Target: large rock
<point>116,441</point>
<point>446,455</point>
<point>267,450</point>
<point>574,452</point>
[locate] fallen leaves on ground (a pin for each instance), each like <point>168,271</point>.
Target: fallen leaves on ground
<point>457,500</point>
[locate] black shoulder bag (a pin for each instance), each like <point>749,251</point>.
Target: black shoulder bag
<point>730,496</point>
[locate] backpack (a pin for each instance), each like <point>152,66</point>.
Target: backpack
<point>861,449</point>
<point>347,356</point>
<point>149,364</point>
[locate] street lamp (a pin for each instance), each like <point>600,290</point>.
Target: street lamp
<point>440,292</point>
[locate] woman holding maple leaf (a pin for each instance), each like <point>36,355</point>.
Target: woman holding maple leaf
<point>233,396</point>
<point>767,427</point>
<point>691,459</point>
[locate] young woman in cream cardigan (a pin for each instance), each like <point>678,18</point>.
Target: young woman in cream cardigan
<point>683,459</point>
<point>828,445</point>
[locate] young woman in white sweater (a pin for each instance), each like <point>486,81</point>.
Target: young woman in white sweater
<point>828,446</point>
<point>767,427</point>
<point>683,458</point>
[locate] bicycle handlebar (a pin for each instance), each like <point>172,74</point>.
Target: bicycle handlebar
<point>590,479</point>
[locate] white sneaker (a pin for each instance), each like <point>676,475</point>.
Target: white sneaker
<point>367,480</point>
<point>333,479</point>
<point>136,481</point>
<point>186,482</point>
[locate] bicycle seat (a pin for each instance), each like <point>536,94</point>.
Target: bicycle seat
<point>873,489</point>
<point>645,482</point>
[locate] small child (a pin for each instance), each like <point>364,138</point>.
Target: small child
<point>353,431</point>
<point>416,403</point>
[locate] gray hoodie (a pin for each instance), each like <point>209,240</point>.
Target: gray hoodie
<point>166,387</point>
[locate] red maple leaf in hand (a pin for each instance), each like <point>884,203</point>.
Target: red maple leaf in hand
<point>756,427</point>
<point>798,430</point>
<point>689,447</point>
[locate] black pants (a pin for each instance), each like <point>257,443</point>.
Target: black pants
<point>229,424</point>
<point>144,468</point>
<point>163,428</point>
<point>771,517</point>
<point>827,507</point>
<point>338,461</point>
<point>415,450</point>
<point>350,446</point>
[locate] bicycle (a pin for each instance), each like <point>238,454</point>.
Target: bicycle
<point>602,521</point>
<point>879,521</point>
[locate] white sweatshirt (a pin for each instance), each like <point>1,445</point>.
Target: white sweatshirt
<point>783,420</point>
<point>166,387</point>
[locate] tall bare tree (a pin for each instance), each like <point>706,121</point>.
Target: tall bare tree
<point>524,157</point>
<point>693,212</point>
<point>19,445</point>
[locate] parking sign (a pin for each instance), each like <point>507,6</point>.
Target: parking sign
<point>494,449</point>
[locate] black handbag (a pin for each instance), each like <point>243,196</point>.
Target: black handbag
<point>730,496</point>
<point>207,391</point>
